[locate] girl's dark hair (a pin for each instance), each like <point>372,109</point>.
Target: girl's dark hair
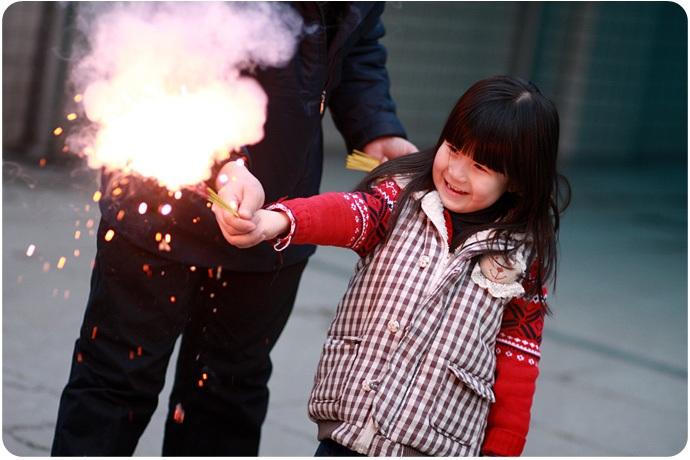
<point>506,124</point>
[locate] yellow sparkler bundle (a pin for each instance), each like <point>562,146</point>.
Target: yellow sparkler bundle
<point>213,197</point>
<point>360,161</point>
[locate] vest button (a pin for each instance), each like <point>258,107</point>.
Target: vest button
<point>393,326</point>
<point>366,386</point>
<point>424,261</point>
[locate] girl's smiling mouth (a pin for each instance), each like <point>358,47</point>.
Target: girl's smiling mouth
<point>454,190</point>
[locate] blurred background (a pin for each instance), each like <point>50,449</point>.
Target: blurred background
<point>614,367</point>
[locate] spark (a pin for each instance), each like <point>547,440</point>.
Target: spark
<point>178,195</point>
<point>192,268</point>
<point>80,357</point>
<point>212,295</point>
<point>109,235</point>
<point>178,415</point>
<point>42,162</point>
<point>201,383</point>
<point>78,98</point>
<point>57,131</point>
<point>89,223</point>
<point>131,354</point>
<point>168,238</point>
<point>46,266</point>
<point>139,350</point>
<point>96,196</point>
<point>120,214</point>
<point>196,220</point>
<point>87,207</point>
<point>76,253</point>
<point>159,236</point>
<point>71,116</point>
<point>219,271</point>
<point>173,299</point>
<point>77,234</point>
<point>143,207</point>
<point>222,178</point>
<point>30,250</point>
<point>94,332</point>
<point>204,376</point>
<point>215,309</point>
<point>117,191</point>
<point>61,263</point>
<point>166,209</point>
<point>225,283</point>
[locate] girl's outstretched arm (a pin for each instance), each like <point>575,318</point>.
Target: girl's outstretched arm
<point>517,359</point>
<point>355,220</point>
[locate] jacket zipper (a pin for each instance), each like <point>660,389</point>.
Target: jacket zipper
<point>322,107</point>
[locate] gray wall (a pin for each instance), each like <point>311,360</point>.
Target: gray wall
<point>616,70</point>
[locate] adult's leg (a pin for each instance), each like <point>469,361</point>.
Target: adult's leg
<point>137,307</point>
<point>220,396</point>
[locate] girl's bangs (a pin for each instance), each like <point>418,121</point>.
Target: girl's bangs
<point>489,147</point>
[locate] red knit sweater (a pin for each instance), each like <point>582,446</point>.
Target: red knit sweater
<point>340,219</point>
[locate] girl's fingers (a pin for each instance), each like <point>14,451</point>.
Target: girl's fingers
<point>245,241</point>
<point>231,224</point>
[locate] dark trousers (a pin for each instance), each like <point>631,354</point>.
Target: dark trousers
<point>330,448</point>
<point>138,306</point>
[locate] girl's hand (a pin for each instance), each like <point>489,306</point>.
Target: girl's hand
<point>267,226</point>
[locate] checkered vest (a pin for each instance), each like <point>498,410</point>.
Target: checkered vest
<point>408,364</point>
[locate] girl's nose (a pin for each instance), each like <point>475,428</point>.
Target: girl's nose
<point>458,168</point>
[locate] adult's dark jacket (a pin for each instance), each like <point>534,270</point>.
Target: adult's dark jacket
<point>344,69</point>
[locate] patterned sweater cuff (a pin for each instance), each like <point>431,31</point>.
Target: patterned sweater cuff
<point>281,243</point>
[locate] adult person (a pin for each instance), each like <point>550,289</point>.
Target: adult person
<point>165,276</point>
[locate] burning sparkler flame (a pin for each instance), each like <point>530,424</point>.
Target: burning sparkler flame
<point>163,85</point>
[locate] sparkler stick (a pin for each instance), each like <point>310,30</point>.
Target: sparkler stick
<point>360,161</point>
<point>213,197</point>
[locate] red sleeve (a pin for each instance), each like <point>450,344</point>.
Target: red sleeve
<point>517,359</point>
<point>355,220</point>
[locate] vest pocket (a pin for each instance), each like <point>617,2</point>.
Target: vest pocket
<point>334,368</point>
<point>462,406</point>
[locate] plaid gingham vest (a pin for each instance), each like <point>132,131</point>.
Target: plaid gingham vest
<point>408,364</point>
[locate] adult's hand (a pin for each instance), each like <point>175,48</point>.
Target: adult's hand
<point>389,147</point>
<point>242,191</point>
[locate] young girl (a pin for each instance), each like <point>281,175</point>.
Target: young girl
<point>434,347</point>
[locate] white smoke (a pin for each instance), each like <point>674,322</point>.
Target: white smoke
<point>163,87</point>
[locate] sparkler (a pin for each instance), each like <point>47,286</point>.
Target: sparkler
<point>360,161</point>
<point>167,67</point>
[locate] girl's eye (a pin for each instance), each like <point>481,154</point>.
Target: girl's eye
<point>480,167</point>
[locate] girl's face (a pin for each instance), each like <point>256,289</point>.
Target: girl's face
<point>464,185</point>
